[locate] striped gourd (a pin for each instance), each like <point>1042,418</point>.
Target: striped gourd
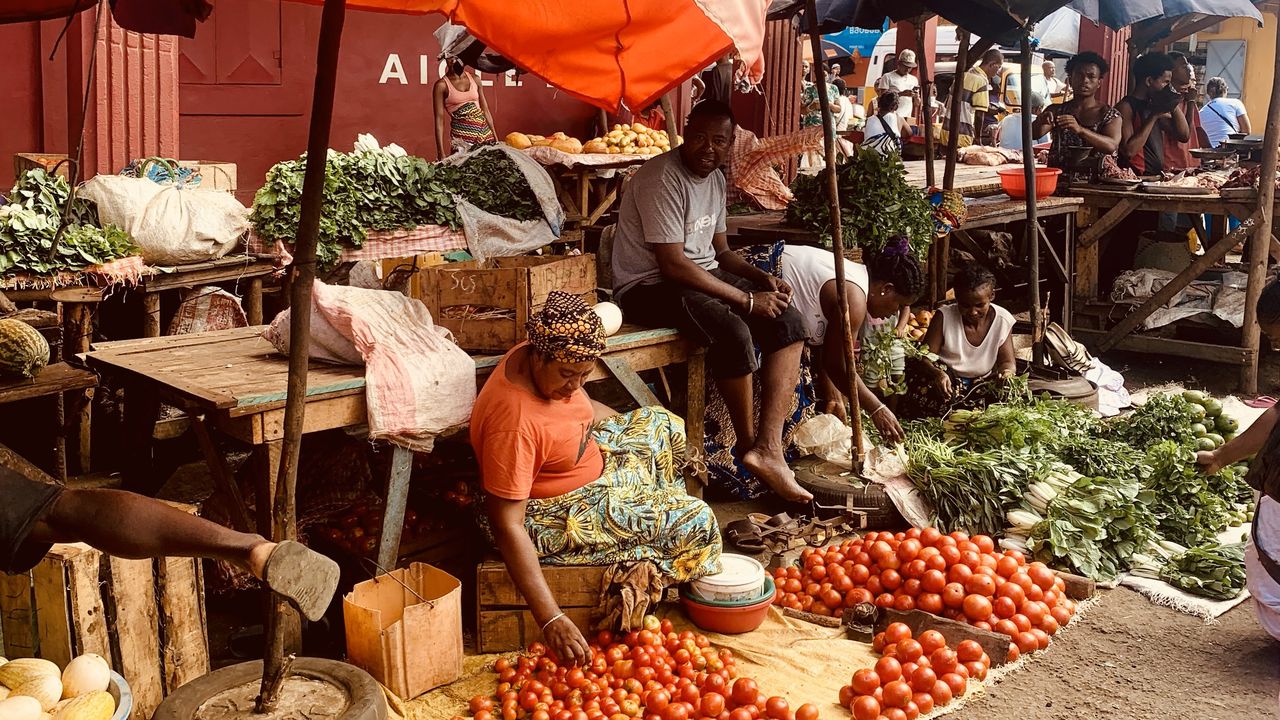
<point>23,350</point>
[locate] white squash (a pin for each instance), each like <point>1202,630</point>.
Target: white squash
<point>4,692</point>
<point>17,672</point>
<point>45,688</point>
<point>96,705</point>
<point>20,708</point>
<point>86,673</point>
<point>610,316</point>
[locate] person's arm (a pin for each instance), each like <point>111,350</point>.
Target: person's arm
<point>1244,445</point>
<point>1133,138</point>
<point>1242,122</point>
<point>1006,359</point>
<point>506,519</point>
<point>933,341</point>
<point>1176,122</point>
<point>904,321</point>
<point>1043,123</point>
<point>442,118</point>
<point>834,360</point>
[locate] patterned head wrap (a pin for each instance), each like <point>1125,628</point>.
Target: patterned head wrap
<point>566,329</point>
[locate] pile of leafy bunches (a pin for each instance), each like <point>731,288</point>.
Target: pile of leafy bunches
<point>913,675</point>
<point>651,674</point>
<point>955,576</point>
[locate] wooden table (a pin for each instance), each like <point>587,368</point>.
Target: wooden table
<point>587,192</point>
<point>971,180</point>
<point>1104,210</point>
<point>233,381</point>
<point>57,382</point>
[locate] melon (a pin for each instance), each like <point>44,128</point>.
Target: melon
<point>17,672</point>
<point>23,350</point>
<point>85,674</point>
<point>96,705</point>
<point>20,708</point>
<point>45,688</point>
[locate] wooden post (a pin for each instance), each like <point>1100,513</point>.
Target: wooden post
<point>1261,238</point>
<point>1033,222</point>
<point>941,250</point>
<point>837,236</point>
<point>303,278</point>
<point>670,114</point>
<point>926,114</point>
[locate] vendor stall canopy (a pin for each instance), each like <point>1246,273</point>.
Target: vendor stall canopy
<point>603,52</point>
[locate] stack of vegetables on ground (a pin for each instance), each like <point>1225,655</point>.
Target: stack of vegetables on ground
<point>29,224</point>
<point>384,188</point>
<point>913,676</point>
<point>654,673</point>
<point>955,576</point>
<point>1078,492</point>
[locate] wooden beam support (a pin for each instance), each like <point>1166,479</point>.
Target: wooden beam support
<point>1104,224</point>
<point>1179,282</point>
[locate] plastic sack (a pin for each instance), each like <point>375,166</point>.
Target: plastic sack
<point>172,224</point>
<point>827,437</point>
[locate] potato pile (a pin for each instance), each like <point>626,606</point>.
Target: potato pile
<point>559,141</point>
<point>918,323</point>
<point>633,139</point>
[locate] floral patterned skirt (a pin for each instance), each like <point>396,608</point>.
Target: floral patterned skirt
<point>637,510</point>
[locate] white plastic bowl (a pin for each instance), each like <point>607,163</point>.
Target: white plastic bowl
<point>740,579</point>
<point>123,696</point>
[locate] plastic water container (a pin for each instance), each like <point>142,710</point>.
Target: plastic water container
<point>740,579</point>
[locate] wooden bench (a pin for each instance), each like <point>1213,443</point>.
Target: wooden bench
<point>503,620</point>
<point>58,382</point>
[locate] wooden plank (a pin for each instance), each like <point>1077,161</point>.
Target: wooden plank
<point>223,479</point>
<point>1177,284</point>
<point>1104,224</point>
<point>17,616</point>
<point>577,586</point>
<point>397,501</point>
<point>695,422</point>
<point>1229,354</point>
<point>1078,587</point>
<point>135,629</point>
<point>995,644</point>
<point>88,615</point>
<point>13,461</point>
<point>508,630</point>
<point>631,382</point>
<point>240,270</point>
<point>150,314</point>
<point>186,646</point>
<point>53,613</point>
<point>53,379</point>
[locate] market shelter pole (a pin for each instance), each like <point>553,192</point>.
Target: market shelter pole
<point>1262,237</point>
<point>926,113</point>
<point>283,636</point>
<point>1032,238</point>
<point>837,236</point>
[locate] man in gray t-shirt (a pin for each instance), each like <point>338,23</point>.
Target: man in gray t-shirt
<point>672,266</point>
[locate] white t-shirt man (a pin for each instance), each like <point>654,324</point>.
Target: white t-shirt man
<point>901,84</point>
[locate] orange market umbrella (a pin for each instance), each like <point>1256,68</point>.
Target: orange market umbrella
<point>606,52</point>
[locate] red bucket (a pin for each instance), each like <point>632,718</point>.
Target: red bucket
<point>1014,182</point>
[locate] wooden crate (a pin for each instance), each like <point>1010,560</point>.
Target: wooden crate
<point>146,617</point>
<point>502,293</point>
<point>23,162</point>
<point>503,621</point>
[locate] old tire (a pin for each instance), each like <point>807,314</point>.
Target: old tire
<point>367,701</point>
<point>823,479</point>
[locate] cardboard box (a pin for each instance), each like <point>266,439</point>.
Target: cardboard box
<point>406,630</point>
<point>51,162</point>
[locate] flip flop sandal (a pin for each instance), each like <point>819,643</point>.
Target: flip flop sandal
<point>302,576</point>
<point>1261,402</point>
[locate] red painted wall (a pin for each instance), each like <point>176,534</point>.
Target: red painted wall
<point>20,124</point>
<point>1114,46</point>
<point>246,98</point>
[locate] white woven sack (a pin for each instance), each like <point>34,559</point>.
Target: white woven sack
<point>172,225</point>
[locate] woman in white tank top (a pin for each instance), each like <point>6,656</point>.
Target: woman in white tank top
<point>974,337</point>
<point>878,289</point>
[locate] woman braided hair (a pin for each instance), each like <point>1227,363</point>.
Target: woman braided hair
<point>896,268</point>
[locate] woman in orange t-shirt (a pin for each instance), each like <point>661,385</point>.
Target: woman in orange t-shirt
<point>570,482</point>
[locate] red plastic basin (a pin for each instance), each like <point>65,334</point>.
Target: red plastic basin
<point>1013,181</point>
<point>728,620</point>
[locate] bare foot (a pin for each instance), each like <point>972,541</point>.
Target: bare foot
<point>772,468</point>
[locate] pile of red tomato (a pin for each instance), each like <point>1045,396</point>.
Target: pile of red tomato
<point>951,575</point>
<point>914,675</point>
<point>650,674</point>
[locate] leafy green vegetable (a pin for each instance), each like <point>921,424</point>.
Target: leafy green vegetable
<point>1190,507</point>
<point>381,190</point>
<point>1212,570</point>
<point>876,204</point>
<point>29,225</point>
<point>1162,417</point>
<point>1094,525</point>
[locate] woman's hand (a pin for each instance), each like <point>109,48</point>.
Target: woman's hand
<point>834,407</point>
<point>1209,462</point>
<point>1068,122</point>
<point>942,381</point>
<point>565,641</point>
<point>887,425</point>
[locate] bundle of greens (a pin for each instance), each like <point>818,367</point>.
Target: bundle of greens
<point>1093,525</point>
<point>1043,424</point>
<point>29,224</point>
<point>876,204</point>
<point>1191,508</point>
<point>1100,457</point>
<point>1161,417</point>
<point>385,189</point>
<point>1212,570</point>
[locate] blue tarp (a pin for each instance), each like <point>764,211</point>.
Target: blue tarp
<point>1122,13</point>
